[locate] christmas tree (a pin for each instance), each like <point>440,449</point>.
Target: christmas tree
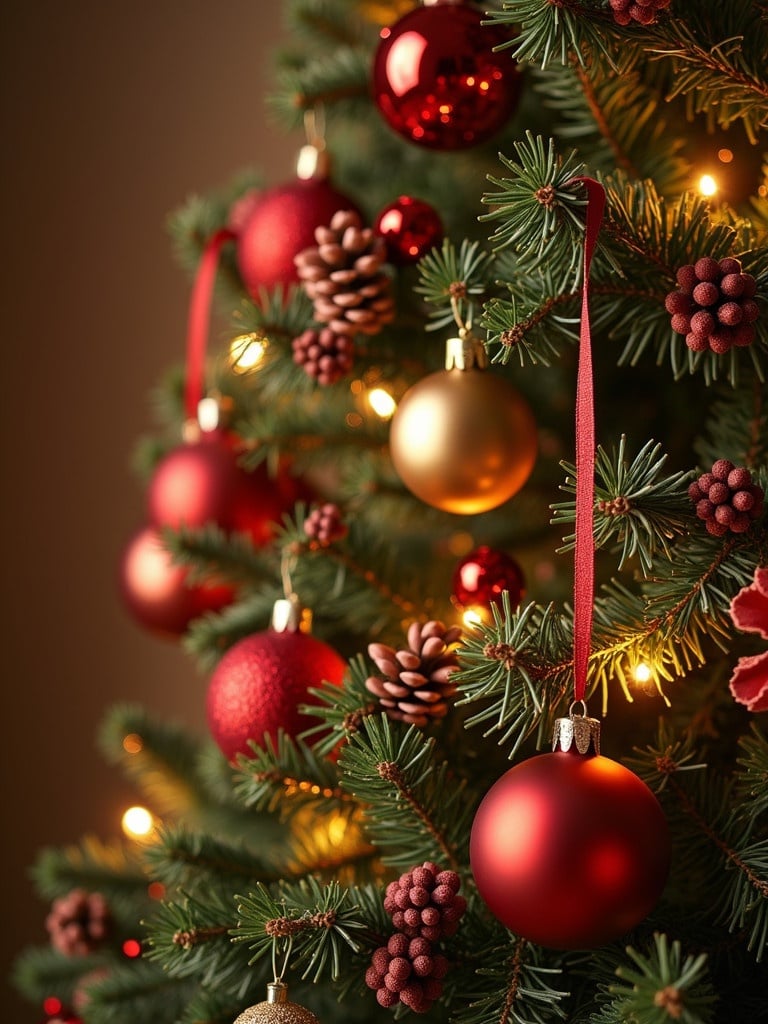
<point>487,449</point>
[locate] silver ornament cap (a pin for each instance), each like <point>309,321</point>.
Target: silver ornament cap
<point>577,731</point>
<point>276,1009</point>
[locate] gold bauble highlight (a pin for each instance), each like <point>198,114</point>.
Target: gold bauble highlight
<point>463,440</point>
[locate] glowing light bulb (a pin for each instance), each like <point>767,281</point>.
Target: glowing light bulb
<point>132,743</point>
<point>132,948</point>
<point>472,617</point>
<point>707,185</point>
<point>382,403</point>
<point>138,823</point>
<point>246,351</point>
<point>641,673</point>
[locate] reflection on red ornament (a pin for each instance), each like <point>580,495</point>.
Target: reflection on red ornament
<point>480,578</point>
<point>439,79</point>
<point>410,227</point>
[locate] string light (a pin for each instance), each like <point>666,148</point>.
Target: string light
<point>472,617</point>
<point>382,403</point>
<point>641,673</point>
<point>133,743</point>
<point>138,823</point>
<point>246,351</point>
<point>132,948</point>
<point>707,185</point>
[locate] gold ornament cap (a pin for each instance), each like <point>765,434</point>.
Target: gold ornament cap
<point>276,1009</point>
<point>577,730</point>
<point>466,352</point>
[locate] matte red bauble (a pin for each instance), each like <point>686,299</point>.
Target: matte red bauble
<point>480,577</point>
<point>258,685</point>
<point>410,227</point>
<point>156,591</point>
<point>203,482</point>
<point>280,223</point>
<point>437,80</point>
<point>570,850</point>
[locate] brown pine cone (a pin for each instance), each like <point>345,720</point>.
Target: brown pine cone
<point>79,923</point>
<point>714,306</point>
<point>323,354</point>
<point>343,277</point>
<point>726,499</point>
<point>641,11</point>
<point>415,685</point>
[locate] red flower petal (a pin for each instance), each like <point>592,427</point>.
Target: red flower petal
<point>749,608</point>
<point>749,682</point>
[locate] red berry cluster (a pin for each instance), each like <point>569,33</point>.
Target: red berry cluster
<point>642,11</point>
<point>407,971</point>
<point>726,499</point>
<point>324,354</point>
<point>425,906</point>
<point>79,922</point>
<point>426,902</point>
<point>324,524</point>
<point>714,306</point>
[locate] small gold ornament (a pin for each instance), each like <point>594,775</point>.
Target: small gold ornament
<point>276,1009</point>
<point>463,439</point>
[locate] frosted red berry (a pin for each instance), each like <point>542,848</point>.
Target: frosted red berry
<point>726,499</point>
<point>713,305</point>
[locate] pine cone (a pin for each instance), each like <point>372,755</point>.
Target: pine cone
<point>714,306</point>
<point>416,685</point>
<point>342,275</point>
<point>641,11</point>
<point>325,525</point>
<point>323,354</point>
<point>726,499</point>
<point>79,923</point>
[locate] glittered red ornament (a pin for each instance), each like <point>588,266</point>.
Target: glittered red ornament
<point>280,223</point>
<point>258,685</point>
<point>410,227</point>
<point>479,579</point>
<point>156,591</point>
<point>570,850</point>
<point>437,80</point>
<point>203,481</point>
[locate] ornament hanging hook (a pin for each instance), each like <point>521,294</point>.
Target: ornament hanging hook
<point>288,946</point>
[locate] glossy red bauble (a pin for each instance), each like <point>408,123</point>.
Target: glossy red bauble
<point>437,80</point>
<point>410,227</point>
<point>570,851</point>
<point>280,223</point>
<point>204,482</point>
<point>258,685</point>
<point>156,591</point>
<point>480,577</point>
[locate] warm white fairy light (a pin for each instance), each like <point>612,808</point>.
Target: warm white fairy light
<point>707,185</point>
<point>246,351</point>
<point>472,617</point>
<point>138,823</point>
<point>382,403</point>
<point>641,673</point>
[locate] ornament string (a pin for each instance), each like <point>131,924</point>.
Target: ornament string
<point>199,320</point>
<point>584,558</point>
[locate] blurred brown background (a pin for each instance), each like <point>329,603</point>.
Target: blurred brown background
<point>112,114</point>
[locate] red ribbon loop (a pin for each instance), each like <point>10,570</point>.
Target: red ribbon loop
<point>199,320</point>
<point>584,559</point>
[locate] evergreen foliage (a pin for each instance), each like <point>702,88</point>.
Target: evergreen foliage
<point>276,865</point>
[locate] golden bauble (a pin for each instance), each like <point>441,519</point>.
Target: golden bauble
<point>463,440</point>
<point>276,1009</point>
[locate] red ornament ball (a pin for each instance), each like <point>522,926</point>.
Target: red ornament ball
<point>437,80</point>
<point>410,227</point>
<point>480,578</point>
<point>258,685</point>
<point>281,223</point>
<point>203,482</point>
<point>570,851</point>
<point>156,591</point>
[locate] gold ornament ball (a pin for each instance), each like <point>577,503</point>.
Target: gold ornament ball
<point>463,440</point>
<point>276,1009</point>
